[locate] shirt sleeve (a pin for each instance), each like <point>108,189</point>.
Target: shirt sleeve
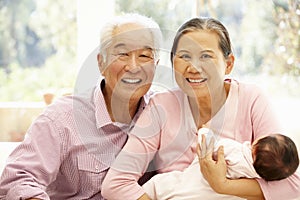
<point>265,122</point>
<point>33,165</point>
<point>132,162</point>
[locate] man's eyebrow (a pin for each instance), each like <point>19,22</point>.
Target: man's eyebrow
<point>148,48</point>
<point>119,45</point>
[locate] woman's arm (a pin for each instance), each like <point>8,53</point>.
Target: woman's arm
<point>264,122</point>
<point>215,174</point>
<point>288,188</point>
<point>144,197</point>
<point>121,181</point>
<point>244,188</point>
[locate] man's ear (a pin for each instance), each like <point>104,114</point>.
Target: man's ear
<point>229,63</point>
<point>157,62</point>
<point>101,64</point>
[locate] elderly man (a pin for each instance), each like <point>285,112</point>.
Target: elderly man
<point>71,145</point>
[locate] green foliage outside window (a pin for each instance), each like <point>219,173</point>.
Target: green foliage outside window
<point>38,40</point>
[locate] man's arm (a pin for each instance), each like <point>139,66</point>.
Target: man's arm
<point>22,177</point>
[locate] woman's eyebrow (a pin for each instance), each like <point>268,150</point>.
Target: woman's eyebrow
<point>182,51</point>
<point>207,51</point>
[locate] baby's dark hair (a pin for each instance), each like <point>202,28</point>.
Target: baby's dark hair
<point>275,157</point>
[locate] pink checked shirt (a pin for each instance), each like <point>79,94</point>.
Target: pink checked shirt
<point>166,132</point>
<point>66,152</point>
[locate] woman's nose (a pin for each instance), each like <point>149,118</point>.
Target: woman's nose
<point>194,67</point>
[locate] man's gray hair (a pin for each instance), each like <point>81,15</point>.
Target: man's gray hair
<point>130,18</point>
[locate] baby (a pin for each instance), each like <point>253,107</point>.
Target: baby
<point>273,157</point>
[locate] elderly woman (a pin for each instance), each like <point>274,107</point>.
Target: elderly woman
<point>167,129</point>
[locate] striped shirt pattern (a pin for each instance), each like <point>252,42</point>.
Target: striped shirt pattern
<point>67,151</point>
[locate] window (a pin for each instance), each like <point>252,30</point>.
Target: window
<point>45,45</point>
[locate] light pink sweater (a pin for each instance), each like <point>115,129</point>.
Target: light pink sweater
<point>166,132</point>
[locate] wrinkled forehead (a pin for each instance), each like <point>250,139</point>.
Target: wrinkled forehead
<point>200,40</point>
<point>131,37</point>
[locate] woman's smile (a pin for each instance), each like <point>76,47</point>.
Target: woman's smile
<point>196,80</point>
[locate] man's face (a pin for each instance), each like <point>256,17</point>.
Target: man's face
<point>130,63</point>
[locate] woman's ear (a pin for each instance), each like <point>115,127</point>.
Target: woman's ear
<point>229,63</point>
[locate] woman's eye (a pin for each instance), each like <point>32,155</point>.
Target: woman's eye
<point>205,56</point>
<point>184,56</point>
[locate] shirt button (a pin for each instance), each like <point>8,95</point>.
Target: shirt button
<point>97,168</point>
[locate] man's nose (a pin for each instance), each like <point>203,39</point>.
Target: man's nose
<point>132,63</point>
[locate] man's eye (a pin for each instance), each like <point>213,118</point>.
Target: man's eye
<point>145,56</point>
<point>123,54</point>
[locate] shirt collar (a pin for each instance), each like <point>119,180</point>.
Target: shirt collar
<point>101,113</point>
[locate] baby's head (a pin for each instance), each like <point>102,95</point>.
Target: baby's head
<point>275,157</point>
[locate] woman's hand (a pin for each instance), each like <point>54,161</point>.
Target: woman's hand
<point>144,197</point>
<point>214,171</point>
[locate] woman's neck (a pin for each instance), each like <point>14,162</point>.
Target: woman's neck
<point>204,108</point>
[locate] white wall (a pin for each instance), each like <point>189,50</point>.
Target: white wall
<point>91,15</point>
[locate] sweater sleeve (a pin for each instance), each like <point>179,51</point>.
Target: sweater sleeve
<point>288,188</point>
<point>132,162</point>
<point>264,122</point>
<point>264,119</point>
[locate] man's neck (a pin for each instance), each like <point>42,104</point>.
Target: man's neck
<point>124,110</point>
<point>121,109</point>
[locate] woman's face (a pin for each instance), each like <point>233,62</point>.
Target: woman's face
<point>199,63</point>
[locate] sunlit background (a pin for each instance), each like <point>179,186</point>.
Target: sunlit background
<point>45,43</point>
